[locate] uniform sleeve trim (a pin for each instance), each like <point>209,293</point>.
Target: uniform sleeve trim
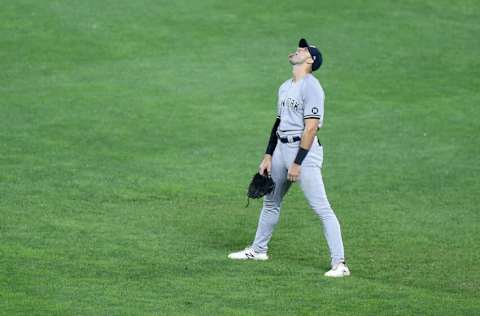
<point>312,116</point>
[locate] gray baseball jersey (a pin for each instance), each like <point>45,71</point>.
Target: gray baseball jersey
<point>298,101</point>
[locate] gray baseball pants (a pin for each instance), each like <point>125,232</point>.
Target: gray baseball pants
<point>311,183</point>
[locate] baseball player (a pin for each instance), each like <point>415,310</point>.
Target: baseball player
<point>294,154</point>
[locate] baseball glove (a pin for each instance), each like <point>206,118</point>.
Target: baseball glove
<point>259,186</point>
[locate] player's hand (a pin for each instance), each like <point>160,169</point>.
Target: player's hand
<point>266,165</point>
<point>293,172</point>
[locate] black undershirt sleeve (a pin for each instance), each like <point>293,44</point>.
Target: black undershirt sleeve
<point>272,142</point>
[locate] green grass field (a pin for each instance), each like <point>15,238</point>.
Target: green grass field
<point>129,131</point>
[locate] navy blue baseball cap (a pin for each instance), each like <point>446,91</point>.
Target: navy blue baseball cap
<point>314,52</point>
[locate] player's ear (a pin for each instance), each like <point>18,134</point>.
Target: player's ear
<point>309,61</point>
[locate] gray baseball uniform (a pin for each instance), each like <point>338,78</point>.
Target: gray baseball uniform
<point>296,102</point>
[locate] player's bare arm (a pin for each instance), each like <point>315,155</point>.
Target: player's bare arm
<point>311,127</point>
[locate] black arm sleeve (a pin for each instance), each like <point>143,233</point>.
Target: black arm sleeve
<point>272,142</point>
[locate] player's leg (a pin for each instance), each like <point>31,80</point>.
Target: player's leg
<point>312,186</point>
<point>270,213</point>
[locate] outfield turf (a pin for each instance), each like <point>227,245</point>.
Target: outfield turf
<point>129,131</point>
